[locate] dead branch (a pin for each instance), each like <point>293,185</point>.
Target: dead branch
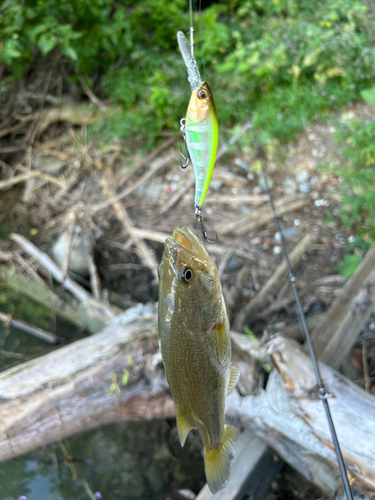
<point>347,315</point>
<point>71,113</point>
<point>144,253</point>
<point>49,337</point>
<point>158,165</point>
<point>17,179</point>
<point>261,216</point>
<point>273,285</point>
<point>89,305</point>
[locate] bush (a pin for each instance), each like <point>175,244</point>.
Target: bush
<point>356,175</point>
<point>280,62</point>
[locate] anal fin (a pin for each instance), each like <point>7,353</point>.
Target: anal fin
<point>233,379</point>
<point>183,428</point>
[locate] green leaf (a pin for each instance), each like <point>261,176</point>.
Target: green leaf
<point>68,51</point>
<point>125,377</point>
<point>349,265</point>
<point>250,333</point>
<point>368,95</point>
<point>46,43</point>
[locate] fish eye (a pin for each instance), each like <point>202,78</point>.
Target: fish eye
<point>186,275</point>
<point>202,94</point>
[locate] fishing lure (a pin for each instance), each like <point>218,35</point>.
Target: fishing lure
<point>199,129</point>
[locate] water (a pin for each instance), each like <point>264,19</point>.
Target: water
<point>127,461</point>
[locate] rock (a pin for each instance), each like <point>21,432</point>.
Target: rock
<point>304,187</point>
<point>289,186</point>
<point>187,494</point>
<point>262,183</point>
<point>287,234</point>
<point>47,163</point>
<point>233,264</point>
<point>302,176</point>
<point>81,251</point>
<point>216,184</point>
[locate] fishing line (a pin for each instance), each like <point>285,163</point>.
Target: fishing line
<point>191,31</point>
<point>321,390</point>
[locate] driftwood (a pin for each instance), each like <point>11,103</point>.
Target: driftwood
<point>38,291</point>
<point>336,334</point>
<point>274,284</point>
<point>49,337</point>
<point>95,313</point>
<point>289,416</point>
<point>73,389</point>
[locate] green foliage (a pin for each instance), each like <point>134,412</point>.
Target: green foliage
<point>348,266</point>
<point>280,62</point>
<point>357,177</point>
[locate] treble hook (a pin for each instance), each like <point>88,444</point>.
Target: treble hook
<point>187,157</point>
<point>198,215</point>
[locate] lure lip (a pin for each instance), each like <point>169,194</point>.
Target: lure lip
<point>194,76</point>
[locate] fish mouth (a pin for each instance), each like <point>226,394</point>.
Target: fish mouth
<point>183,241</point>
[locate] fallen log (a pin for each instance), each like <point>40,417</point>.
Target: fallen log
<point>82,386</point>
<point>289,416</point>
<point>79,386</point>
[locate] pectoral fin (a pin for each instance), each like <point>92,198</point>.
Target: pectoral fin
<point>233,379</point>
<point>183,428</point>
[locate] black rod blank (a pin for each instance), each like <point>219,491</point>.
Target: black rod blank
<point>321,389</point>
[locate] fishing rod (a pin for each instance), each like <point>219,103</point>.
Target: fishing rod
<point>260,154</point>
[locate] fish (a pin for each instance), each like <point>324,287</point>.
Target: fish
<point>200,127</point>
<point>194,338</point>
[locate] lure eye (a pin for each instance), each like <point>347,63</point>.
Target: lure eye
<point>202,94</point>
<point>186,275</point>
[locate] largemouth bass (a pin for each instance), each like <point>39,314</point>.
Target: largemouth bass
<point>196,349</point>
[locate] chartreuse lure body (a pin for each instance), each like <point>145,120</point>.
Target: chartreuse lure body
<point>200,127</point>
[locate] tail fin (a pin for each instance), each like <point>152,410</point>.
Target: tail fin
<point>217,461</point>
